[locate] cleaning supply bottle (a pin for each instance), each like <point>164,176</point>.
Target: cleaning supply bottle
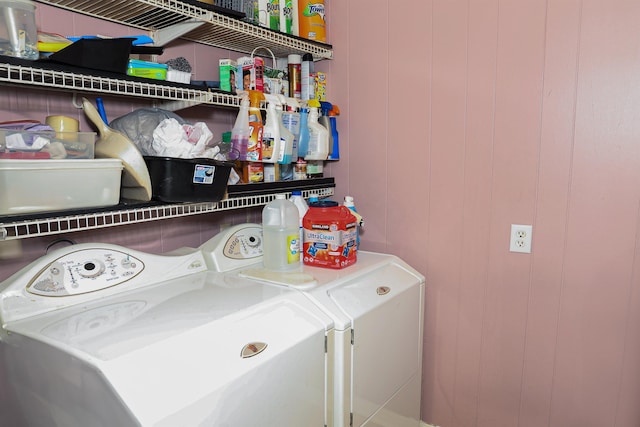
<point>287,139</point>
<point>303,141</point>
<point>291,121</point>
<point>254,147</point>
<point>301,204</point>
<point>240,131</point>
<point>294,65</point>
<point>324,120</point>
<point>348,202</point>
<point>280,233</point>
<point>271,132</point>
<point>318,135</point>
<point>335,150</point>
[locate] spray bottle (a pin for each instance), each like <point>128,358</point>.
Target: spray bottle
<point>271,132</point>
<point>291,121</point>
<point>323,119</point>
<point>256,128</point>
<point>318,135</point>
<point>240,131</point>
<point>303,141</point>
<point>335,151</point>
<point>287,139</point>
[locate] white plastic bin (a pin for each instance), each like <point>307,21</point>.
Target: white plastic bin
<point>28,186</point>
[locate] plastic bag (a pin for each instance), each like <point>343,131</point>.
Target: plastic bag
<point>140,124</point>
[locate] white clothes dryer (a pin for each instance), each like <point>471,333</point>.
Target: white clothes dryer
<point>377,310</point>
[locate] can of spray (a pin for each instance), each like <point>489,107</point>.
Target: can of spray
<point>295,78</point>
<point>307,80</point>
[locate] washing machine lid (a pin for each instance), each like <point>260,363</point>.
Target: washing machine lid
<point>113,326</point>
<point>150,345</point>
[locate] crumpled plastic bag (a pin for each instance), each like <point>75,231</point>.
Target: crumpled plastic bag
<point>139,125</point>
<point>171,139</point>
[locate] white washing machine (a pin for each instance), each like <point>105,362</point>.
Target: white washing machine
<point>377,311</point>
<point>100,335</point>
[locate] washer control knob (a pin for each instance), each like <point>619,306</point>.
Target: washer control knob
<point>92,268</point>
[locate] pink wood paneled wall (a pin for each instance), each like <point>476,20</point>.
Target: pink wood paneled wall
<point>461,117</point>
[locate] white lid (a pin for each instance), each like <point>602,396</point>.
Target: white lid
<point>294,59</point>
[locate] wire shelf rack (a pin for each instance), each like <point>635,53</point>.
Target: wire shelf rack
<point>90,221</point>
<point>63,80</point>
<point>214,29</point>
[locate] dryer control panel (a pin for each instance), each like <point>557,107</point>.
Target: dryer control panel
<point>85,271</point>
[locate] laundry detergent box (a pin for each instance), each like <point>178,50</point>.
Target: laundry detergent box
<point>329,235</point>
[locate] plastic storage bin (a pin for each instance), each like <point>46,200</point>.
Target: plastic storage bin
<point>74,145</point>
<point>28,186</point>
<point>188,180</point>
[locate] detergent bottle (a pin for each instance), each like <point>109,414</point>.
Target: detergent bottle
<point>287,139</point>
<point>271,132</point>
<point>348,202</point>
<point>318,135</point>
<point>323,119</point>
<point>240,131</point>
<point>291,121</point>
<point>335,150</point>
<point>303,141</point>
<point>256,128</point>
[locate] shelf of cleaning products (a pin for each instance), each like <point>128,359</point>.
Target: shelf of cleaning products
<point>14,228</point>
<point>170,19</point>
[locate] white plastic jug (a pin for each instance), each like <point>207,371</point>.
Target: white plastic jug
<point>281,236</point>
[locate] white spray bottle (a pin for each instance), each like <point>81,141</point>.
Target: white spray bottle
<point>271,132</point>
<point>285,156</point>
<point>318,135</point>
<point>240,131</point>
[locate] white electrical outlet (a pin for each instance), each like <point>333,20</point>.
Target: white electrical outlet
<point>521,238</point>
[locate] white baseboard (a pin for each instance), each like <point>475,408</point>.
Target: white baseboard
<point>423,424</point>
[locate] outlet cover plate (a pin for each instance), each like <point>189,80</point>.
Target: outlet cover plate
<point>520,240</point>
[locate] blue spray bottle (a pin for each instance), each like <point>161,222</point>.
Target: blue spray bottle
<point>335,149</point>
<point>303,142</point>
<point>323,119</point>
